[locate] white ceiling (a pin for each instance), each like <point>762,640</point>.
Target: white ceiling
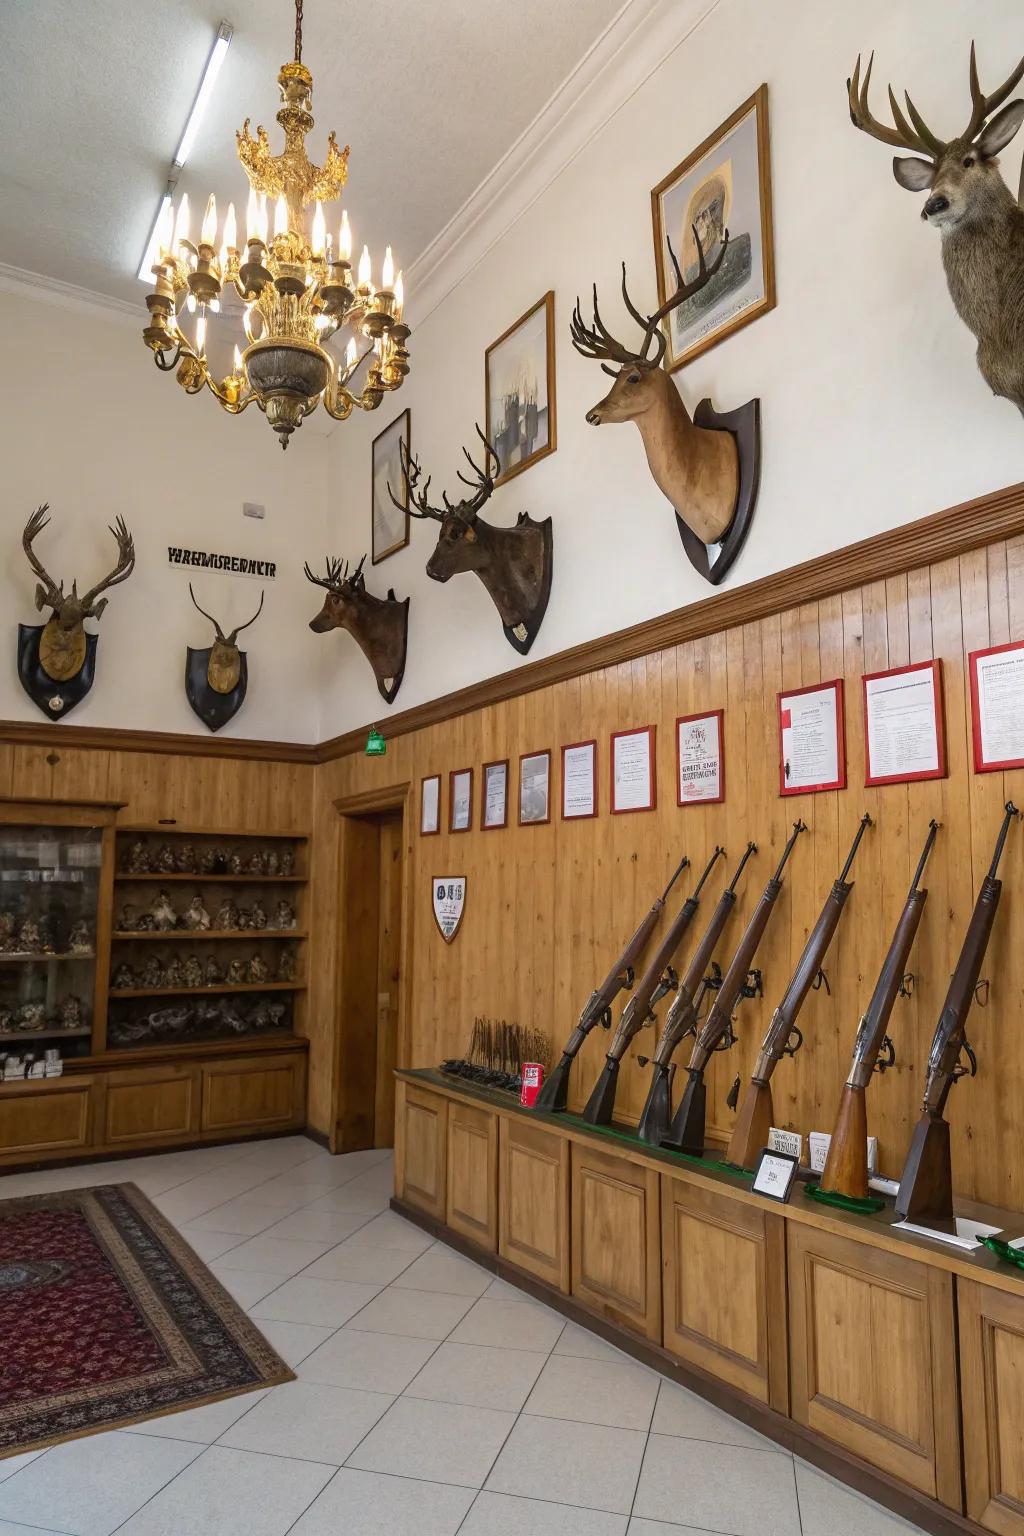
<point>94,96</point>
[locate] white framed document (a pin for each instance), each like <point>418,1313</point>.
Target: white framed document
<point>997,707</point>
<point>534,788</point>
<point>430,805</point>
<point>812,739</point>
<point>633,772</point>
<point>700,758</point>
<point>460,799</point>
<point>903,734</point>
<point>579,780</point>
<point>494,801</point>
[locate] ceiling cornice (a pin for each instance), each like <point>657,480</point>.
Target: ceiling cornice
<point>50,290</point>
<point>634,45</point>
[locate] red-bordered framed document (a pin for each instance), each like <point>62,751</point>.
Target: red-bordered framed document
<point>494,799</point>
<point>700,758</point>
<point>812,739</point>
<point>579,780</point>
<point>460,799</point>
<point>904,739</point>
<point>535,788</point>
<point>633,771</point>
<point>430,805</point>
<point>997,707</point>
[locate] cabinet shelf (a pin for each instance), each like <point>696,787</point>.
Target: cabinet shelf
<point>13,959</point>
<point>9,1036</point>
<point>246,935</point>
<point>244,986</point>
<point>198,879</point>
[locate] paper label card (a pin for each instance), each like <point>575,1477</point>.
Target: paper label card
<point>812,742</point>
<point>534,788</point>
<point>633,771</point>
<point>579,780</point>
<point>430,805</point>
<point>700,760</point>
<point>790,1142</point>
<point>997,707</point>
<point>448,894</point>
<point>774,1175</point>
<point>495,811</point>
<point>461,799</point>
<point>903,733</point>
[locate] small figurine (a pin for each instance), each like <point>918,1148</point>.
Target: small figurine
<point>185,860</point>
<point>287,862</point>
<point>268,1013</point>
<point>80,939</point>
<point>47,944</point>
<point>164,860</point>
<point>272,862</point>
<point>227,917</point>
<point>192,973</point>
<point>220,863</point>
<point>213,975</point>
<point>30,1017</point>
<point>257,863</point>
<point>152,973</point>
<point>71,1013</point>
<point>284,916</point>
<point>124,979</point>
<point>238,973</point>
<point>236,864</point>
<point>257,916</point>
<point>244,918</point>
<point>138,858</point>
<point>206,859</point>
<point>28,938</point>
<point>173,974</point>
<point>8,923</point>
<point>163,914</point>
<point>196,916</point>
<point>258,969</point>
<point>287,964</point>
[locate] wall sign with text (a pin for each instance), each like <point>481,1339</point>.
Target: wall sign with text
<point>448,897</point>
<point>579,780</point>
<point>700,758</point>
<point>997,707</point>
<point>903,728</point>
<point>634,786</point>
<point>494,801</point>
<point>233,565</point>
<point>812,739</point>
<point>430,805</point>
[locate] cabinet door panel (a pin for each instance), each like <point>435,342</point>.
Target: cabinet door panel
<point>37,1118</point>
<point>254,1093</point>
<point>151,1106</point>
<point>991,1325</point>
<point>421,1150</point>
<point>473,1174</point>
<point>534,1201</point>
<point>616,1235</point>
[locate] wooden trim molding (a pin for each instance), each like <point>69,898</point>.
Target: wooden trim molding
<point>76,738</point>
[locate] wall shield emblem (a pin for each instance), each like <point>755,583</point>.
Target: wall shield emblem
<point>53,698</point>
<point>448,895</point>
<point>213,706</point>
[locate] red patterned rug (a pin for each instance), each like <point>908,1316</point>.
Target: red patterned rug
<point>108,1317</point>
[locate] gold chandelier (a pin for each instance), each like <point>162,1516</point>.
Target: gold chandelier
<point>298,289</point>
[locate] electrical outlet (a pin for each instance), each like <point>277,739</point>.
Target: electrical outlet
<point>253,509</point>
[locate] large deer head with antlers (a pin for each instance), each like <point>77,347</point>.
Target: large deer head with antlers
<point>514,564</point>
<point>62,644</point>
<point>981,223</point>
<point>379,626</point>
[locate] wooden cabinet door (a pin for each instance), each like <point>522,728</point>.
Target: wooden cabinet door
<point>533,1201</point>
<point>253,1093</point>
<point>473,1174</point>
<point>40,1117</point>
<point>991,1325</point>
<point>873,1358</point>
<point>616,1239</point>
<point>421,1150</point>
<point>152,1106</point>
<point>725,1289</point>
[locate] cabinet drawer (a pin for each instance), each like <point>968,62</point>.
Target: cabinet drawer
<point>152,1106</point>
<point>253,1093</point>
<point>421,1150</point>
<point>38,1117</point>
<point>534,1201</point>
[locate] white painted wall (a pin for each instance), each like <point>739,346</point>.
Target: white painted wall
<point>89,425</point>
<point>873,411</point>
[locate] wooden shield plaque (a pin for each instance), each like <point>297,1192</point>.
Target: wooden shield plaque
<point>448,900</point>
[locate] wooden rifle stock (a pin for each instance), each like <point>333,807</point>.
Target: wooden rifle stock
<point>846,1167</point>
<point>658,979</point>
<point>750,1133</point>
<point>925,1194</point>
<point>597,1009</point>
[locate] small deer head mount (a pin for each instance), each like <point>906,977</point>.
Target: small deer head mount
<point>225,664</point>
<point>63,642</point>
<point>380,626</point>
<point>696,463</point>
<point>216,679</point>
<point>981,223</point>
<point>514,564</point>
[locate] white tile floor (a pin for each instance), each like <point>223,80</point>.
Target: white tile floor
<point>430,1398</point>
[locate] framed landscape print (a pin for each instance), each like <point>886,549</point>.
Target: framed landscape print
<point>519,390</point>
<point>390,526</point>
<point>724,185</point>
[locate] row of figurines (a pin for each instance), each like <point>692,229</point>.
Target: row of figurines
<point>31,1017</point>
<point>194,972</point>
<point>13,1068</point>
<point>164,917</point>
<point>225,1015</point>
<point>34,935</point>
<point>185,859</point>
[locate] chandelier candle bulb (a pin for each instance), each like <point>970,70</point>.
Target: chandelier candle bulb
<point>208,233</point>
<point>387,273</point>
<point>365,270</point>
<point>319,232</point>
<point>281,216</point>
<point>399,297</point>
<point>181,224</point>
<point>345,238</point>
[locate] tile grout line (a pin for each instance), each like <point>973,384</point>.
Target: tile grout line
<point>643,1458</point>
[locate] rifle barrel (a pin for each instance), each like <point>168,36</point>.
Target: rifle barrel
<point>719,853</point>
<point>684,863</point>
<point>798,827</point>
<point>865,822</point>
<point>1010,812</point>
<point>933,832</point>
<point>751,850</point>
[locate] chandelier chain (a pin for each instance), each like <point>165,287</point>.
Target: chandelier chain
<point>298,31</point>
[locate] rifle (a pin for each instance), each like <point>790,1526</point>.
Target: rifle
<point>846,1167</point>
<point>658,979</point>
<point>750,1132</point>
<point>926,1186</point>
<point>687,1130</point>
<point>598,1007</point>
<point>681,1019</point>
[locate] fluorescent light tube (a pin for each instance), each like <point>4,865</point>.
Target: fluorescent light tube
<point>151,253</point>
<point>205,91</point>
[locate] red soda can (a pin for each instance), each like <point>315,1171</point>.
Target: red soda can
<point>533,1077</point>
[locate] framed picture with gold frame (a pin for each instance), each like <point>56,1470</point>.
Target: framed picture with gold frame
<point>519,390</point>
<point>723,185</point>
<point>389,524</point>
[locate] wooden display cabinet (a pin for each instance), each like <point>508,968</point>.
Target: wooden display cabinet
<point>421,1150</point>
<point>991,1333</point>
<point>616,1239</point>
<point>472,1208</point>
<point>533,1201</point>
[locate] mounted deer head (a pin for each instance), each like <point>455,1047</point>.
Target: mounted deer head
<point>514,564</point>
<point>63,642</point>
<point>380,626</point>
<point>981,223</point>
<point>225,664</point>
<point>696,466</point>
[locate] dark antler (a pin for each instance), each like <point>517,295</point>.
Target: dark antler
<point>417,506</point>
<point>684,291</point>
<point>213,621</point>
<point>237,631</point>
<point>122,570</point>
<point>916,134</point>
<point>983,106</point>
<point>483,484</point>
<point>335,574</point>
<point>47,592</point>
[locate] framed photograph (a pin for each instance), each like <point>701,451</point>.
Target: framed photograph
<point>430,805</point>
<point>724,185</point>
<point>997,707</point>
<point>519,390</point>
<point>534,788</point>
<point>633,771</point>
<point>700,758</point>
<point>390,526</point>
<point>812,739</point>
<point>579,780</point>
<point>904,738</point>
<point>494,801</point>
<point>460,799</point>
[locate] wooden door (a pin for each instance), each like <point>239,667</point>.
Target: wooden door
<point>389,951</point>
<point>991,1325</point>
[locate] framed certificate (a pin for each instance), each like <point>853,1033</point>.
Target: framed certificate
<point>997,707</point>
<point>700,759</point>
<point>579,780</point>
<point>534,788</point>
<point>430,805</point>
<point>460,799</point>
<point>494,802</point>
<point>812,739</point>
<point>903,730</point>
<point>633,771</point>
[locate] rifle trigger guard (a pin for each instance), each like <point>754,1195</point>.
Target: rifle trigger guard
<point>754,985</point>
<point>605,1020</point>
<point>969,1071</point>
<point>728,1040</point>
<point>794,1040</point>
<point>821,980</point>
<point>714,978</point>
<point>733,1096</point>
<point>907,984</point>
<point>629,976</point>
<point>886,1058</point>
<point>981,995</point>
